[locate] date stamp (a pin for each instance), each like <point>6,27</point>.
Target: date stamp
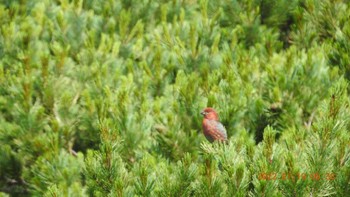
<point>272,176</point>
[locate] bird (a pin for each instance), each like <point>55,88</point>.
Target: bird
<point>213,130</point>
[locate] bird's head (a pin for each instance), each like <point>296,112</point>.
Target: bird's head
<point>210,113</point>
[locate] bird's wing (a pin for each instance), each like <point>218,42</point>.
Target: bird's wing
<point>216,130</point>
<point>222,129</point>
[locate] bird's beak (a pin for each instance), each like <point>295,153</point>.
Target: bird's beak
<point>202,113</point>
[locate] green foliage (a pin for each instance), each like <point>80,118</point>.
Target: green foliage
<point>105,171</point>
<point>55,170</point>
<point>102,98</point>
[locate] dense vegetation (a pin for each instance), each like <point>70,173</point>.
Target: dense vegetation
<point>102,98</point>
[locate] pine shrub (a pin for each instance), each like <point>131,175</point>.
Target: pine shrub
<point>102,98</point>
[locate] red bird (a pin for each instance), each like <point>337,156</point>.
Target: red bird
<point>212,128</point>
